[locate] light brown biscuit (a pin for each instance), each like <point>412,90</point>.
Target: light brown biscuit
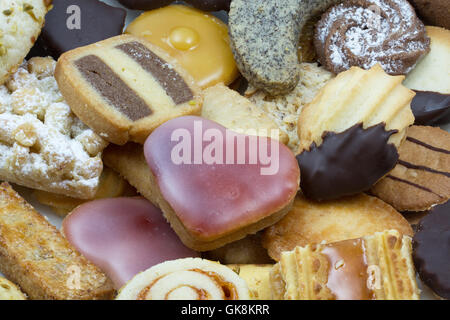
<point>245,251</point>
<point>111,185</point>
<point>346,218</point>
<point>130,163</point>
<point>376,267</point>
<point>257,277</point>
<point>235,112</point>
<point>37,257</point>
<point>9,291</point>
<point>432,72</point>
<point>421,178</point>
<point>125,87</point>
<point>20,25</point>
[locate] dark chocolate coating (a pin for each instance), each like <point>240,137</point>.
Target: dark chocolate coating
<point>431,107</point>
<point>205,5</point>
<point>210,5</point>
<point>99,21</point>
<point>145,4</point>
<point>431,250</point>
<point>346,163</point>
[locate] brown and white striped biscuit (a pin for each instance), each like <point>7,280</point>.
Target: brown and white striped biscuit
<point>125,87</point>
<point>421,178</point>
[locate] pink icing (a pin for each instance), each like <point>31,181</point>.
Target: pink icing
<point>212,200</point>
<point>123,236</point>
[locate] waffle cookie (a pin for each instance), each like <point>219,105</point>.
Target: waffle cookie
<point>350,132</point>
<point>377,267</point>
<point>124,87</point>
<point>20,24</point>
<point>421,179</point>
<point>187,279</point>
<point>37,257</point>
<point>43,145</point>
<point>330,221</point>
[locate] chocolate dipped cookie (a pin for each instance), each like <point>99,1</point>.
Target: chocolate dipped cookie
<point>430,79</point>
<point>350,132</point>
<point>125,87</point>
<point>431,250</point>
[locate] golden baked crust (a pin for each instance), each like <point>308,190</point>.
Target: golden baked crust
<point>422,176</point>
<point>36,256</point>
<point>245,251</point>
<point>285,109</point>
<point>130,163</point>
<point>357,96</point>
<point>111,185</point>
<point>99,114</point>
<point>9,291</point>
<point>377,267</point>
<point>431,73</point>
<point>20,26</point>
<point>228,108</point>
<point>257,277</point>
<point>346,218</point>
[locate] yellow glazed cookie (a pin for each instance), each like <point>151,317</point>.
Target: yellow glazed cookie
<point>197,40</point>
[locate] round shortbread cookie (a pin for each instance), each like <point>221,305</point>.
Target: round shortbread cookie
<point>312,222</point>
<point>20,24</point>
<point>432,72</point>
<point>421,179</point>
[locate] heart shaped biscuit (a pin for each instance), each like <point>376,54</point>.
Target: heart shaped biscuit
<point>214,185</point>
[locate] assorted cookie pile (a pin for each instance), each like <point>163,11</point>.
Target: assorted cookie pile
<point>292,153</point>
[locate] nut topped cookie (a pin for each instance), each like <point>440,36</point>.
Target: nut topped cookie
<point>43,145</point>
<point>20,24</point>
<point>350,132</point>
<point>125,87</point>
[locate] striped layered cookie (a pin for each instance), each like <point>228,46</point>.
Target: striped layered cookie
<point>125,87</point>
<point>377,267</point>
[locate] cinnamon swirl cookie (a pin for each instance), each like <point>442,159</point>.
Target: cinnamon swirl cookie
<point>189,279</point>
<point>365,32</point>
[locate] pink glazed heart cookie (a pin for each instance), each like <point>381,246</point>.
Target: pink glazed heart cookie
<point>214,185</point>
<point>123,236</point>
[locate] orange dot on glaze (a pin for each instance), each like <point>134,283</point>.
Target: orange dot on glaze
<point>197,40</point>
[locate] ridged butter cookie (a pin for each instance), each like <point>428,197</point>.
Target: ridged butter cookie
<point>20,24</point>
<point>350,132</point>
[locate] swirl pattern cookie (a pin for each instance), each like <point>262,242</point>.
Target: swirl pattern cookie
<point>187,279</point>
<point>363,33</point>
